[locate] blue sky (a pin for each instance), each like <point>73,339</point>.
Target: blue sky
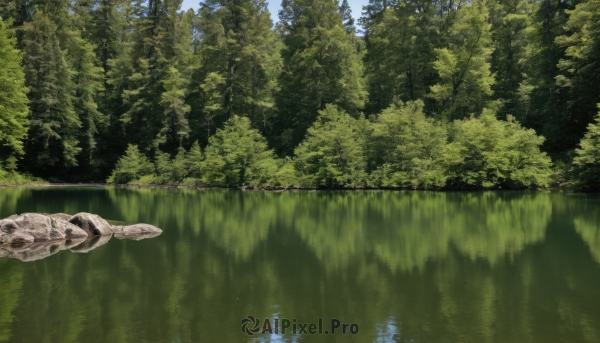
<point>274,6</point>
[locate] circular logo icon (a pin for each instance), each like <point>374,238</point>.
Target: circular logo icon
<point>250,325</point>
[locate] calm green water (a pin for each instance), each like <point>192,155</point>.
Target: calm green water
<point>404,266</point>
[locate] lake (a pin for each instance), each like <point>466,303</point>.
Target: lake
<point>408,266</point>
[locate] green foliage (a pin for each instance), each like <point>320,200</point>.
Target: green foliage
<point>413,29</point>
<point>88,83</point>
<point>347,19</point>
<point>321,65</point>
<point>213,89</point>
<point>193,160</point>
<point>163,167</point>
<point>487,152</point>
<point>131,167</point>
<point>105,74</point>
<point>13,98</point>
<point>12,177</point>
<point>587,160</point>
<point>55,125</point>
<point>587,224</point>
<point>157,73</point>
<point>175,122</point>
<point>400,148</point>
<point>463,67</point>
<point>332,154</point>
<point>510,20</point>
<point>238,155</point>
<point>543,101</point>
<point>240,61</point>
<point>172,171</point>
<point>410,148</point>
<point>11,163</point>
<point>287,175</point>
<point>579,68</point>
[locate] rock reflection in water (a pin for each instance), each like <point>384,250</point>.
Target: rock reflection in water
<point>40,250</point>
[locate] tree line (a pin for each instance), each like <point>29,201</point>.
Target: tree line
<point>427,94</point>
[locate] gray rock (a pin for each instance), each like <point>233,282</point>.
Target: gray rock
<point>63,216</point>
<point>92,224</point>
<point>137,229</point>
<point>10,233</point>
<point>70,231</point>
<point>8,226</point>
<point>37,225</point>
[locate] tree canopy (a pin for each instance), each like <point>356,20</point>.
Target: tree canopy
<point>427,94</point>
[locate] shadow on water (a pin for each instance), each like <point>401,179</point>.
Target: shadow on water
<point>405,266</point>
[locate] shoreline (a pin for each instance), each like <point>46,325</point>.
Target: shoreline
<point>562,187</point>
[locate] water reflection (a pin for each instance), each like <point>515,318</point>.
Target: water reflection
<point>406,266</point>
<point>10,286</point>
<point>587,224</point>
<point>403,229</point>
<point>39,250</point>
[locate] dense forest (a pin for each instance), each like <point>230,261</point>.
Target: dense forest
<point>419,94</point>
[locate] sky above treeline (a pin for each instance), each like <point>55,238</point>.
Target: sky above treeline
<point>275,5</point>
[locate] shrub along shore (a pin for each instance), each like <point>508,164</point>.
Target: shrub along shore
<point>13,178</point>
<point>399,148</point>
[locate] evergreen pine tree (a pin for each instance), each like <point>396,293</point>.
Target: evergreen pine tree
<point>213,89</point>
<point>53,135</point>
<point>177,79</point>
<point>152,54</point>
<point>163,167</point>
<point>347,20</point>
<point>543,99</point>
<point>175,125</point>
<point>112,31</point>
<point>106,29</point>
<point>13,96</point>
<point>88,79</point>
<point>587,161</point>
<point>131,167</point>
<point>193,160</point>
<point>374,12</point>
<point>238,155</point>
<point>322,65</point>
<point>510,21</point>
<point>579,70</point>
<point>240,57</point>
<point>416,29</point>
